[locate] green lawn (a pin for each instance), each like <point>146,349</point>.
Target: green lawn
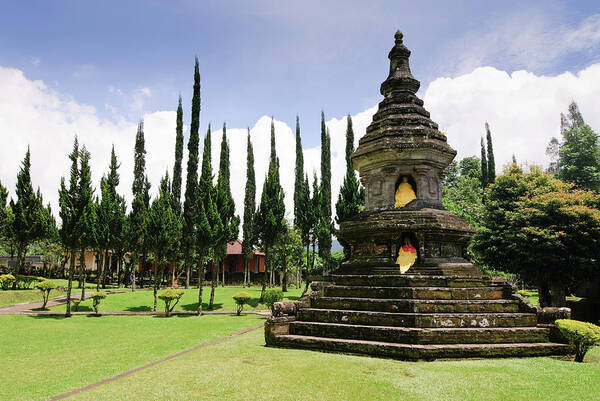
<point>244,369</point>
<point>142,301</point>
<point>10,297</point>
<point>43,357</point>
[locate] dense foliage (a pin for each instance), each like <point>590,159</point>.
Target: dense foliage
<point>581,335</point>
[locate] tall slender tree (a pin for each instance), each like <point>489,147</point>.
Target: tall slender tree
<point>491,164</point>
<point>176,185</point>
<point>325,226</point>
<point>484,166</point>
<point>248,227</point>
<point>164,228</point>
<point>190,212</point>
<point>226,208</point>
<point>27,226</point>
<point>351,198</point>
<point>3,214</point>
<point>69,215</point>
<point>299,174</point>
<point>86,221</point>
<point>271,211</point>
<point>139,204</point>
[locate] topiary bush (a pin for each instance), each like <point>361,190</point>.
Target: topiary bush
<point>241,298</point>
<point>582,335</point>
<point>97,297</point>
<point>26,282</point>
<point>75,303</point>
<point>272,296</point>
<point>6,281</point>
<point>45,287</point>
<point>168,296</point>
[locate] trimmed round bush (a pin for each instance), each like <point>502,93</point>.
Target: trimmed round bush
<point>45,286</point>
<point>272,296</point>
<point>168,296</point>
<point>6,281</point>
<point>582,335</point>
<point>241,298</point>
<point>75,303</point>
<point>97,297</point>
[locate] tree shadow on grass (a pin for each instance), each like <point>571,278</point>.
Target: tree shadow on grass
<point>82,308</point>
<point>194,306</point>
<point>55,317</point>
<point>143,308</point>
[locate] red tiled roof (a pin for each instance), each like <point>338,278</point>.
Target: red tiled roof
<point>235,248</point>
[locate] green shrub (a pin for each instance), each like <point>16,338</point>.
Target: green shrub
<point>582,335</point>
<point>97,297</point>
<point>241,298</point>
<point>75,303</point>
<point>272,296</point>
<point>168,296</point>
<point>526,293</point>
<point>6,281</point>
<point>27,282</point>
<point>45,287</point>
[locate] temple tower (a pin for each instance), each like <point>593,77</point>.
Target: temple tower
<point>403,151</point>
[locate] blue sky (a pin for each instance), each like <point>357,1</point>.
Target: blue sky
<point>95,68</point>
<point>129,58</point>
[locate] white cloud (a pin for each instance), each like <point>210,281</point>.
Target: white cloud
<point>523,109</point>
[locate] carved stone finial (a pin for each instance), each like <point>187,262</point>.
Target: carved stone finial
<point>398,36</point>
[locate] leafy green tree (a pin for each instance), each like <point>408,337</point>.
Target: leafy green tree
<point>168,296</point>
<point>69,216</point>
<point>310,230</point>
<point>484,166</point>
<point>116,208</point>
<point>190,212</point>
<point>540,228</point>
<point>163,228</point>
<point>325,223</point>
<point>288,252</point>
<point>241,298</point>
<point>351,197</point>
<point>176,185</point>
<point>226,208</point>
<point>463,194</point>
<point>491,164</point>
<point>577,156</point>
<point>140,203</point>
<point>45,287</point>
<point>248,227</point>
<point>4,213</point>
<point>27,224</point>
<point>96,298</point>
<point>271,210</point>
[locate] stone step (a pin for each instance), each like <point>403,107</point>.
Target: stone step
<point>422,351</point>
<point>416,306</point>
<point>410,335</point>
<point>370,318</point>
<point>415,280</point>
<point>417,292</point>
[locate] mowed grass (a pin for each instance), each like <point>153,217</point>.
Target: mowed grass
<point>10,297</point>
<point>43,356</point>
<point>142,301</point>
<point>244,369</point>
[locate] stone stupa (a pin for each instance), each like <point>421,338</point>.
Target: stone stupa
<point>406,288</point>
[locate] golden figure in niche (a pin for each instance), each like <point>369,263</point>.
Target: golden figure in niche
<point>407,256</point>
<point>404,193</point>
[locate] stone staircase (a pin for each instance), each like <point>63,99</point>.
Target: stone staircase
<point>416,317</point>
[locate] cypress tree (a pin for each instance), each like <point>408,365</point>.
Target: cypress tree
<point>484,166</point>
<point>3,213</point>
<point>191,187</point>
<point>139,204</point>
<point>226,208</point>
<point>85,227</point>
<point>491,165</point>
<point>176,185</point>
<point>68,215</point>
<point>271,211</point>
<point>26,225</point>
<point>249,233</point>
<point>350,198</point>
<point>299,174</point>
<point>325,207</point>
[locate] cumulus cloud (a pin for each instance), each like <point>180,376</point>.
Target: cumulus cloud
<point>522,108</point>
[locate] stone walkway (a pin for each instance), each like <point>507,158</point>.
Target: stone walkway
<point>168,358</point>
